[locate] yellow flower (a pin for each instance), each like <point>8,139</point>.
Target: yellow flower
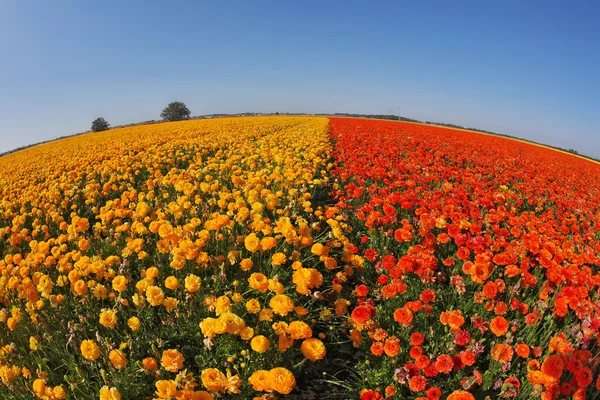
<point>246,264</point>
<point>223,305</point>
<point>281,380</point>
<point>59,392</point>
<point>90,350</point>
<point>299,330</point>
<point>171,283</point>
<point>155,296</point>
<point>170,303</point>
<point>252,243</point>
<point>134,323</point>
<point>266,314</point>
<point>267,243</point>
<point>260,344</point>
<point>39,387</point>
<point>119,283</point>
<point>151,272</point>
<point>281,304</point>
<point>150,364</point>
<point>319,250</point>
<point>285,342</point>
<point>260,381</point>
<point>117,358</point>
<point>172,360</point>
<point>259,282</point>
<point>80,287</point>
<point>313,349</point>
<point>33,343</point>
<point>214,380</point>
<point>107,393</point>
<point>276,286</point>
<point>166,389</point>
<point>108,318</point>
<point>278,259</point>
<point>192,283</point>
<point>253,306</point>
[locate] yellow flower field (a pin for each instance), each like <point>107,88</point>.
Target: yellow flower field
<point>189,260</point>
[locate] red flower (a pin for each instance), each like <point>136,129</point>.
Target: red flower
<point>362,314</point>
<point>444,364</point>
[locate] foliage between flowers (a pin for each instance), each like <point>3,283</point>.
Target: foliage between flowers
<point>251,257</point>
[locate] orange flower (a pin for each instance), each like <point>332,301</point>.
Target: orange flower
<point>90,350</point>
<point>403,316</point>
<point>454,319</point>
<point>281,380</point>
<point>313,349</point>
<point>150,364</point>
<point>502,352</point>
<point>417,383</point>
<point>361,314</point>
<point>392,347</point>
<point>522,350</point>
<point>552,368</point>
<point>172,360</point>
<point>460,395</point>
<point>444,364</point>
<point>499,326</point>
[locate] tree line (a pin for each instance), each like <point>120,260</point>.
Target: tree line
<point>175,111</point>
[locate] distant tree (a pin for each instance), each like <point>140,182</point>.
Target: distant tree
<point>175,111</point>
<point>100,124</point>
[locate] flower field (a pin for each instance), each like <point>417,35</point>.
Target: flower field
<point>298,257</point>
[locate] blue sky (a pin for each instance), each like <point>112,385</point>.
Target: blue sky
<point>528,69</point>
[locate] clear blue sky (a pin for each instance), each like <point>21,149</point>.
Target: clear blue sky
<point>525,68</point>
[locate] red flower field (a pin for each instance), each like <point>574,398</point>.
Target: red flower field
<point>481,262</point>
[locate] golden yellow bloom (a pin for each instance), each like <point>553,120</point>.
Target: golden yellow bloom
<point>39,387</point>
<point>260,381</point>
<point>246,264</point>
<point>59,392</point>
<point>90,350</point>
<point>214,380</point>
<point>150,364</point>
<point>260,344</point>
<point>172,360</point>
<point>267,243</point>
<point>33,343</point>
<point>166,389</point>
<point>108,318</point>
<point>281,380</point>
<point>299,330</point>
<point>222,305</point>
<point>134,323</point>
<point>253,306</point>
<point>152,273</point>
<point>170,303</point>
<point>259,282</point>
<point>119,283</point>
<point>80,287</point>
<point>278,259</point>
<point>276,286</point>
<point>281,304</point>
<point>313,349</point>
<point>266,314</point>
<point>117,358</point>
<point>192,283</point>
<point>171,283</point>
<point>107,393</point>
<point>155,296</point>
<point>252,243</point>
